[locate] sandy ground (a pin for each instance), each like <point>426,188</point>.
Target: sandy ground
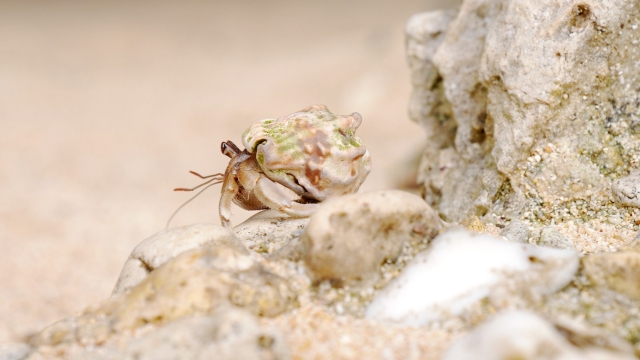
<point>104,107</point>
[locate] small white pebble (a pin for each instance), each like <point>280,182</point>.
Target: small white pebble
<point>584,98</point>
<point>345,339</point>
<point>614,220</point>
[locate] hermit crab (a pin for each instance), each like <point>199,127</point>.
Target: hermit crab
<point>292,163</point>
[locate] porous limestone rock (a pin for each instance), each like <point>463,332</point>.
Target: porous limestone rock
<point>531,113</point>
<point>550,237</point>
<point>524,335</point>
<point>196,282</point>
<point>269,231</point>
<point>619,271</point>
<point>228,334</point>
<point>517,232</point>
<point>626,190</point>
<point>529,106</point>
<point>167,244</point>
<point>425,32</point>
<point>348,238</point>
<point>461,268</point>
<point>16,351</point>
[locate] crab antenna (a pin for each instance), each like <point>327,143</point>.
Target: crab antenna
<point>219,178</point>
<point>188,201</point>
<point>204,177</point>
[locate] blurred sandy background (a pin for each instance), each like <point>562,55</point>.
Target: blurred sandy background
<point>105,106</point>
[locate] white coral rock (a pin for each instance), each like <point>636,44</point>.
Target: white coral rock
<point>461,268</point>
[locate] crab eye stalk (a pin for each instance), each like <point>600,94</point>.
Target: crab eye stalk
<point>229,149</point>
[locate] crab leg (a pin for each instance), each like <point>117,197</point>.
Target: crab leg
<point>230,189</point>
<point>301,210</point>
<point>273,196</point>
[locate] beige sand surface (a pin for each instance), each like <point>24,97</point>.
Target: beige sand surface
<point>105,106</point>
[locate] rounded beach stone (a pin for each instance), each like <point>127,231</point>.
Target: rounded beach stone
<point>269,231</point>
<point>349,237</point>
<point>167,244</point>
<point>550,237</point>
<point>517,232</point>
<point>626,190</point>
